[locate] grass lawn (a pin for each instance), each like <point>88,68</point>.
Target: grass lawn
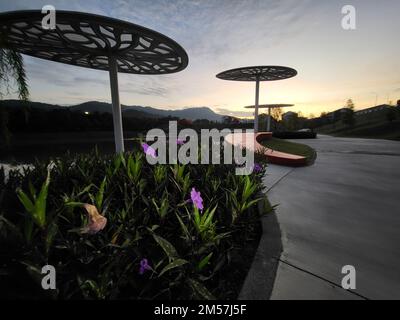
<point>291,147</point>
<point>376,129</point>
<point>380,130</point>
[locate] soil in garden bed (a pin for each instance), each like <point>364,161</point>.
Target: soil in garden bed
<point>242,255</point>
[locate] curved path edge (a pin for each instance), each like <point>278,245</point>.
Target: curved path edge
<point>260,279</point>
<point>251,141</point>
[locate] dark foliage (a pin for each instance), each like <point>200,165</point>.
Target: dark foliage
<point>192,254</point>
<point>295,135</point>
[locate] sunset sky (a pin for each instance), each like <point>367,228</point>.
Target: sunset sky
<point>333,64</point>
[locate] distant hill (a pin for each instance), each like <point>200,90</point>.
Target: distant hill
<point>37,105</point>
<point>189,113</point>
<point>128,111</point>
<point>104,107</point>
<point>92,106</point>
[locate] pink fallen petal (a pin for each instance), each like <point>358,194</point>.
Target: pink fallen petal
<point>97,222</point>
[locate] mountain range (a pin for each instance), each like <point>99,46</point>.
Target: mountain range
<point>193,113</point>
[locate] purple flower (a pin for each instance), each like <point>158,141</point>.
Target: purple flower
<point>144,266</point>
<point>149,150</point>
<point>196,199</point>
<point>180,142</point>
<point>257,168</point>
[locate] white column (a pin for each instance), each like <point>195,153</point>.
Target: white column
<point>256,106</point>
<point>269,120</point>
<point>116,106</point>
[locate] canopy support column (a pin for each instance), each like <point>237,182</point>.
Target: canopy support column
<point>269,120</point>
<point>116,106</point>
<point>256,105</point>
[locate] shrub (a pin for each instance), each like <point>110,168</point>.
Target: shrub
<point>295,135</point>
<point>391,115</point>
<point>116,227</point>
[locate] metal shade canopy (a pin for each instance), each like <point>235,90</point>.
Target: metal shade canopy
<point>270,106</point>
<point>95,42</point>
<point>257,74</point>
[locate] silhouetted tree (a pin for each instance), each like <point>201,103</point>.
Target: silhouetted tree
<point>350,104</point>
<point>230,120</point>
<point>11,70</point>
<point>348,117</point>
<point>276,114</point>
<point>293,122</point>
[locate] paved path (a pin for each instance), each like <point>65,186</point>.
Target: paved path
<point>343,210</point>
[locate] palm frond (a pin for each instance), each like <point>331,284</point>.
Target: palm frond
<point>12,70</point>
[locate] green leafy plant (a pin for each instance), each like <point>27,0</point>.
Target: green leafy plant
<point>155,244</point>
<point>36,204</point>
<point>243,197</point>
<point>160,174</point>
<point>204,224</point>
<point>162,209</point>
<point>134,167</point>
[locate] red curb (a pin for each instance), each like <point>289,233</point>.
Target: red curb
<point>275,157</point>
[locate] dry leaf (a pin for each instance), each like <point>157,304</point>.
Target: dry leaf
<point>97,222</point>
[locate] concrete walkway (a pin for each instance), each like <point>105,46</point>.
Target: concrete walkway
<point>343,210</point>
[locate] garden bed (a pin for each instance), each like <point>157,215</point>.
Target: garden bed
<point>116,227</point>
<point>292,148</point>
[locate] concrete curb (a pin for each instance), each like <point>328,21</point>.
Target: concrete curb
<point>260,279</point>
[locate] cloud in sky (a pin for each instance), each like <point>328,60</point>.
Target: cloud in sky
<point>333,64</point>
